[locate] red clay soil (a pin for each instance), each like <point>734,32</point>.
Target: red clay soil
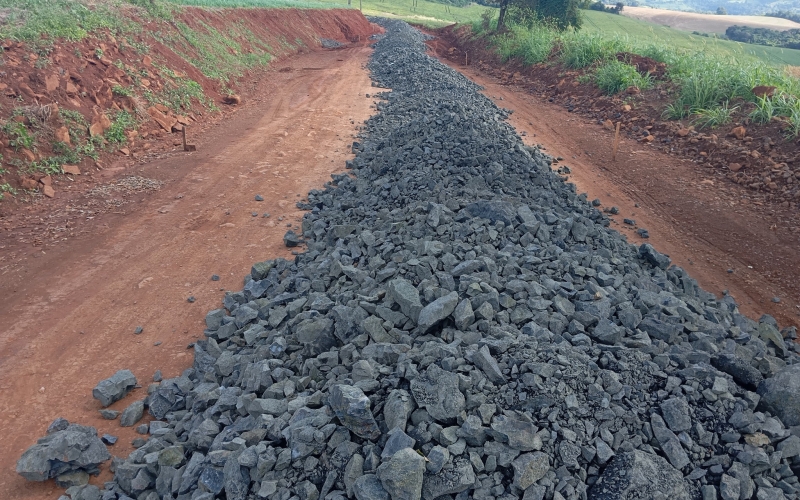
<point>149,235</point>
<point>80,76</point>
<point>725,235</point>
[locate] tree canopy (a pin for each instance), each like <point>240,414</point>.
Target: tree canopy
<point>561,14</point>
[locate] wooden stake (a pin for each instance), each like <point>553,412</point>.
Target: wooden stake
<point>187,147</point>
<point>616,143</point>
<point>466,59</point>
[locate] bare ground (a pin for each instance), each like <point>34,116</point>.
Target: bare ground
<point>70,308</point>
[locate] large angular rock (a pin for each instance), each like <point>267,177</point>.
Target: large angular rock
<point>529,468</point>
<point>316,334</point>
<point>780,395</point>
<point>437,391</point>
<point>435,312</point>
<point>114,388</point>
<point>648,253</point>
<point>352,407</point>
<point>639,475</point>
<point>75,448</point>
<point>518,434</point>
<point>369,487</point>
<point>742,372</point>
<point>132,414</point>
<point>460,477</point>
<point>402,475</point>
<point>676,414</point>
<point>484,360</point>
<point>397,409</point>
<point>406,296</point>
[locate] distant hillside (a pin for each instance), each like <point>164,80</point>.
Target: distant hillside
<point>737,7</point>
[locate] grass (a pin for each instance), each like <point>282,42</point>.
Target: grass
<point>69,19</point>
<point>712,78</point>
<point>644,33</point>
<point>615,76</point>
<point>431,14</point>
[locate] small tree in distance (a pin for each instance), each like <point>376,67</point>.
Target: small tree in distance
<point>561,14</point>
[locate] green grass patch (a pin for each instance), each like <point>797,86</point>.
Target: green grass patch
<point>529,45</point>
<point>28,20</point>
<point>122,122</point>
<point>615,76</point>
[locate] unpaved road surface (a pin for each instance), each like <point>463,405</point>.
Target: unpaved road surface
<point>69,313</point>
<point>720,240</point>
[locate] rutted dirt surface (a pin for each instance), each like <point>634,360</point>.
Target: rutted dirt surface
<point>69,312</point>
<point>706,226</point>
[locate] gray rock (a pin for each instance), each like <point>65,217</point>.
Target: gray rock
<point>463,316</point>
<point>396,442</point>
<point>484,360</point>
<point>369,487</point>
<point>729,488</point>
<point>435,312</point>
<point>437,457</point>
<point>494,211</point>
<point>676,414</point>
<point>529,468</point>
<point>352,407</point>
<point>648,253</point>
<point>316,334</point>
<point>132,414</point>
<point>789,447</point>
<point>456,479</point>
<point>114,388</point>
<point>290,239</point>
<point>402,475</point>
<point>639,475</point>
<point>518,434</point>
<point>353,471</point>
<point>780,395</point>
<point>72,449</point>
<point>397,409</point>
<point>437,391</point>
<point>741,371</point>
<point>406,296</point>
<point>236,478</point>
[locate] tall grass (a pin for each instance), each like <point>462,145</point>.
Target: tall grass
<point>615,76</point>
<point>580,49</point>
<point>532,45</point>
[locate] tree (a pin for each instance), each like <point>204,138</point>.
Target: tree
<point>561,14</point>
<point>619,7</point>
<point>721,11</point>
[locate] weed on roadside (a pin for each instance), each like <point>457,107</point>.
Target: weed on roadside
<point>714,116</point>
<point>615,76</point>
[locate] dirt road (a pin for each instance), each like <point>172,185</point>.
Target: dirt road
<point>69,313</point>
<point>707,228</point>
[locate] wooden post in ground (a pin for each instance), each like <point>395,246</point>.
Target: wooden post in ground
<point>466,59</point>
<point>187,147</point>
<point>616,143</point>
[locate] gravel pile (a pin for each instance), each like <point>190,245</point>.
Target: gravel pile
<point>464,325</point>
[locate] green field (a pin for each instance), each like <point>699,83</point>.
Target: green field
<point>425,12</point>
<point>600,22</point>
